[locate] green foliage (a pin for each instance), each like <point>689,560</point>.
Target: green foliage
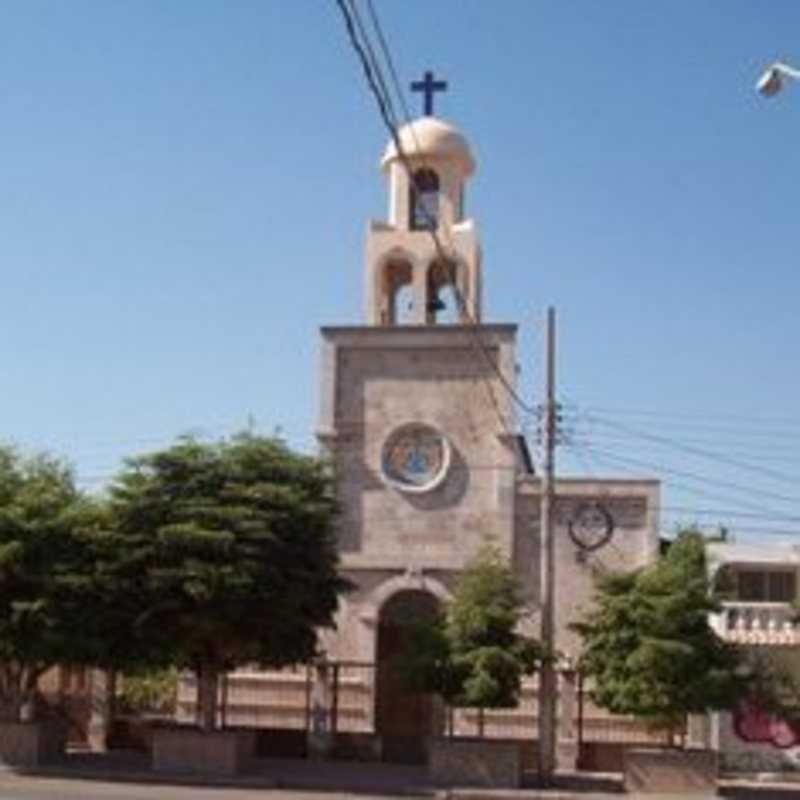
<point>648,644</point>
<point>473,656</point>
<point>46,527</point>
<point>155,691</point>
<point>231,548</point>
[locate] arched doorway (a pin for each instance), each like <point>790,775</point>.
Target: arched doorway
<point>441,307</point>
<point>397,293</point>
<point>405,720</point>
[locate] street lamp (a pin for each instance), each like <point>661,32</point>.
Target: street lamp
<point>772,81</point>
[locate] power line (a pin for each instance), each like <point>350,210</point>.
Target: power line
<point>398,88</point>
<point>747,436</point>
<point>638,465</point>
<point>757,529</point>
<point>758,432</point>
<point>790,455</point>
<point>366,66</point>
<point>718,512</point>
<point>583,452</point>
<point>376,70</point>
<point>712,415</point>
<point>697,451</point>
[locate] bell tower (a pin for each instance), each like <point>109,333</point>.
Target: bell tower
<point>414,412</point>
<point>412,276</point>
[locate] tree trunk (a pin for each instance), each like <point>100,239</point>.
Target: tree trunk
<point>102,695</point>
<point>12,706</point>
<point>207,696</point>
<point>10,692</point>
<point>30,683</point>
<point>671,736</point>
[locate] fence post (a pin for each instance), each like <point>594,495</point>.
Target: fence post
<point>308,699</point>
<point>566,743</point>
<point>580,713</point>
<point>223,706</point>
<point>322,714</point>
<point>335,707</point>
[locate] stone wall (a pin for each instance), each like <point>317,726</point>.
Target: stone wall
<point>633,505</point>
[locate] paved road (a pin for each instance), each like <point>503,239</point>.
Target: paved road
<point>83,779</point>
<point>20,787</point>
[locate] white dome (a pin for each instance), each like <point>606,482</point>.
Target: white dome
<point>432,138</point>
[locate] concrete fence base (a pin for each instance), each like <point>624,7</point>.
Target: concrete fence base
<point>28,744</point>
<point>656,770</point>
<point>476,762</point>
<point>177,749</point>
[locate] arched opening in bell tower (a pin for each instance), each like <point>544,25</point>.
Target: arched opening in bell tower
<point>397,291</point>
<point>404,719</point>
<point>443,297</point>
<point>424,200</point>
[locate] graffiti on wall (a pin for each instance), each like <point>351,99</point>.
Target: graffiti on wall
<point>753,724</point>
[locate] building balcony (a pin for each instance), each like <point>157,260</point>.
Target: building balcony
<point>744,622</point>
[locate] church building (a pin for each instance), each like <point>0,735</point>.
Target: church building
<point>418,418</point>
<point>417,414</point>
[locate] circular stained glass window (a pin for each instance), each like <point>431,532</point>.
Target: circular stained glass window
<point>415,458</point>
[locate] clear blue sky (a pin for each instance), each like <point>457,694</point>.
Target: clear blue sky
<point>184,190</point>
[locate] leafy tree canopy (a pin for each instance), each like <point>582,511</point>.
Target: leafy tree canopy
<point>45,569</point>
<point>473,656</point>
<point>648,644</point>
<point>234,542</point>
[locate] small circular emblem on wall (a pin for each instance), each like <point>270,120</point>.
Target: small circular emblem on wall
<point>591,526</point>
<point>415,458</point>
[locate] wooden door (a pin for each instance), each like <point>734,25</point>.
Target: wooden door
<point>406,720</point>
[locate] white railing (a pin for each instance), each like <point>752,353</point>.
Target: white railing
<point>742,619</point>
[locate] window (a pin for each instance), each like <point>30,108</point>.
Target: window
<point>766,586</point>
<point>424,203</point>
<point>781,586</point>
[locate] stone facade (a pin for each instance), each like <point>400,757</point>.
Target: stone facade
<point>632,506</point>
<point>448,383</point>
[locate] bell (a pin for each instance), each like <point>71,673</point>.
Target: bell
<point>436,305</point>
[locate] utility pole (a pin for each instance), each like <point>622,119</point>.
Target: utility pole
<point>548,684</point>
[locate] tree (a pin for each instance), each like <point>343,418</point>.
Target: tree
<point>232,547</point>
<point>472,655</point>
<point>45,524</point>
<point>648,644</point>
<point>151,691</point>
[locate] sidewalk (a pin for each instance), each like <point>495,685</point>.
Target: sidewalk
<point>265,773</point>
<point>308,778</point>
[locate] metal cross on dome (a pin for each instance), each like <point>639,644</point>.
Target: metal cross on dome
<point>428,86</point>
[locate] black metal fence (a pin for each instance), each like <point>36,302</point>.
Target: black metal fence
<point>340,697</point>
